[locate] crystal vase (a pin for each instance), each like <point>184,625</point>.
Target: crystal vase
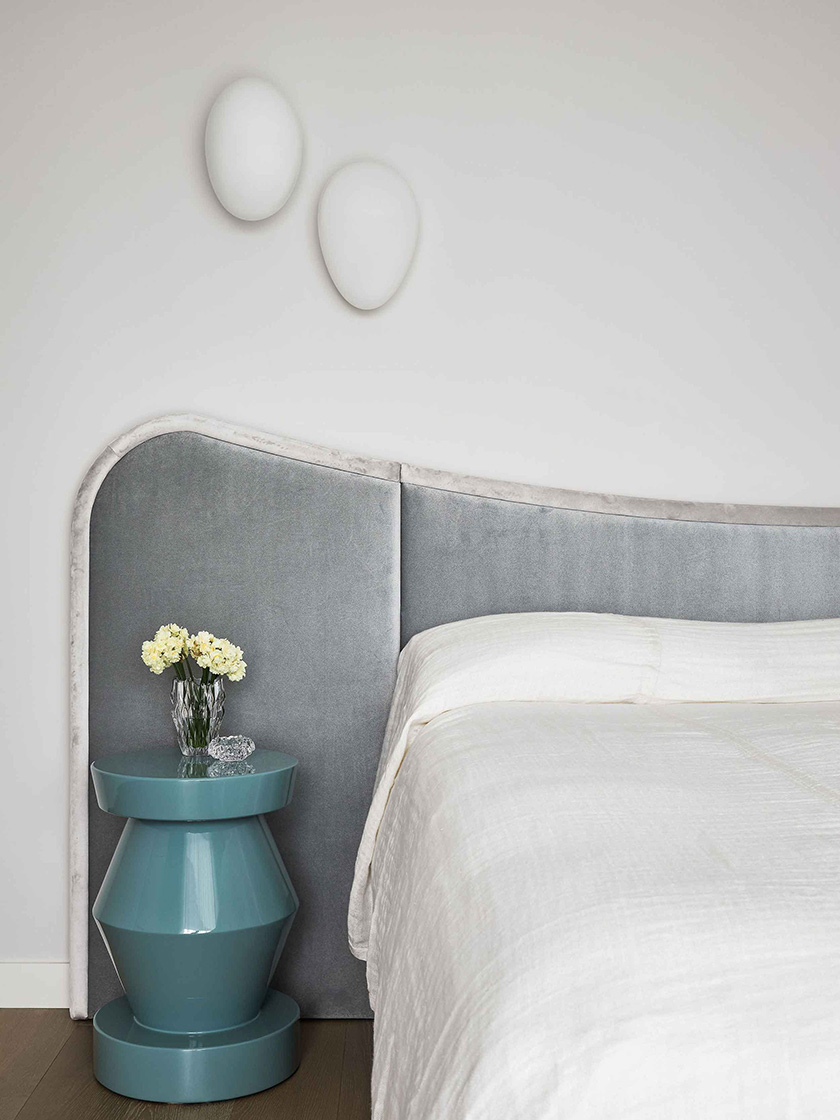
<point>197,711</point>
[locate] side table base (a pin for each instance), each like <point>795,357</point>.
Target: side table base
<point>151,1065</point>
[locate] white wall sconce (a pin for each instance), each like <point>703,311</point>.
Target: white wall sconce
<point>253,148</point>
<point>368,224</point>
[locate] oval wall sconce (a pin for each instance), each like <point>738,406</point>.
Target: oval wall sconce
<point>253,147</point>
<point>368,223</point>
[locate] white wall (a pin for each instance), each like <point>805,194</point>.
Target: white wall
<point>627,277</point>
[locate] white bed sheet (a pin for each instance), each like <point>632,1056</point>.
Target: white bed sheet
<point>604,911</point>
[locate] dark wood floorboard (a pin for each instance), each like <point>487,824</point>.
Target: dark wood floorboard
<point>46,1074</point>
<point>313,1092</point>
<point>30,1039</point>
<point>354,1101</point>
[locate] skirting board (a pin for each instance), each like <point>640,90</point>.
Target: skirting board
<point>34,984</point>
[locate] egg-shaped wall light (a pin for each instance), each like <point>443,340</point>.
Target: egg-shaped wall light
<point>253,148</point>
<point>368,224</point>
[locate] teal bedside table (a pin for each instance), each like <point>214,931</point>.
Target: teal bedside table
<point>195,909</point>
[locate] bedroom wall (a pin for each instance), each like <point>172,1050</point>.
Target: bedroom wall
<point>626,280</point>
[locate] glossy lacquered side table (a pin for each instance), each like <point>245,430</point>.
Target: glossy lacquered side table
<point>195,909</point>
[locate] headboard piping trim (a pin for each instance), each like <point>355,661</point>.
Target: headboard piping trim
<point>618,505</point>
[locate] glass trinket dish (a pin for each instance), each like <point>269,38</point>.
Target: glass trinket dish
<point>231,748</point>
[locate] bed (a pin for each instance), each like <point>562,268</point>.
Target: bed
<point>599,876</point>
<point>325,565</point>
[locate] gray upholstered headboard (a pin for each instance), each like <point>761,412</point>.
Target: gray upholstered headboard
<point>320,564</point>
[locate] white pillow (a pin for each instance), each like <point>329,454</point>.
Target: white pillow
<point>608,658</point>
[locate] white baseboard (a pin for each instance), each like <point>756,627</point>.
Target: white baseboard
<point>34,984</point>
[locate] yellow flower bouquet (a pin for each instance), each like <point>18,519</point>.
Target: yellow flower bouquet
<point>198,699</point>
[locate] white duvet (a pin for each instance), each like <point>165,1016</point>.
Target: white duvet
<point>583,896</point>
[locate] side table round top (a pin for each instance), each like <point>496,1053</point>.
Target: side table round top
<point>162,785</point>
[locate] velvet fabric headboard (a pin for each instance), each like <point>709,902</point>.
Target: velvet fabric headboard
<point>320,564</point>
<point>464,556</point>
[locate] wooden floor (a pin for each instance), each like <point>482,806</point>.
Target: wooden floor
<point>45,1073</point>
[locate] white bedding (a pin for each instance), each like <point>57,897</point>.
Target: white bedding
<point>594,911</point>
